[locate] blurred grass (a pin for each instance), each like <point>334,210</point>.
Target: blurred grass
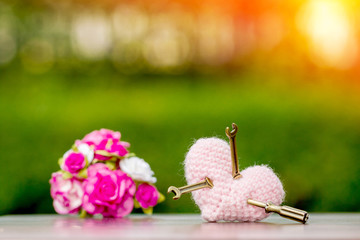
<point>308,132</point>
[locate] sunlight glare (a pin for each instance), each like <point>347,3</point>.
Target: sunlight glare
<point>330,33</point>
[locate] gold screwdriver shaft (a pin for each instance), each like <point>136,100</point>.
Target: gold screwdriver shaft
<point>284,211</point>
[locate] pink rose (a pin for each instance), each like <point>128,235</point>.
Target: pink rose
<point>95,137</point>
<point>73,162</point>
<point>67,194</point>
<point>147,195</point>
<point>107,192</point>
<point>111,146</point>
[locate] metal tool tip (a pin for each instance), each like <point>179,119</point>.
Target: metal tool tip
<point>306,217</point>
<point>237,176</point>
<point>209,182</point>
<point>174,190</point>
<point>227,131</point>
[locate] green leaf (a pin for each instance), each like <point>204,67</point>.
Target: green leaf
<point>83,213</point>
<point>107,154</point>
<point>161,198</point>
<point>66,175</point>
<point>148,210</point>
<point>74,148</point>
<point>111,165</point>
<point>86,162</point>
<point>60,161</point>
<point>129,155</point>
<point>94,161</point>
<point>103,153</point>
<point>83,173</point>
<point>137,182</point>
<point>136,204</point>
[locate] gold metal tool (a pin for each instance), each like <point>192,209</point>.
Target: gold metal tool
<point>207,183</point>
<point>284,211</point>
<point>235,165</point>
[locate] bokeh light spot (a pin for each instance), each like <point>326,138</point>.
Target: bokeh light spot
<point>215,37</point>
<point>166,47</point>
<point>330,33</point>
<point>129,23</point>
<point>91,35</point>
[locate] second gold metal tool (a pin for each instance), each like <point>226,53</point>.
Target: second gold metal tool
<point>284,211</point>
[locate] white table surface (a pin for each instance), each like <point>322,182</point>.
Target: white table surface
<point>177,226</point>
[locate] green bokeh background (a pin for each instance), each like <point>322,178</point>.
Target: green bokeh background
<point>294,112</point>
<point>309,133</point>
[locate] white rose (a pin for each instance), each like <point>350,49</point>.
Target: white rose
<point>85,150</point>
<point>138,169</point>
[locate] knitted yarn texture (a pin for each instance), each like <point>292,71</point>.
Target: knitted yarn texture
<point>227,200</point>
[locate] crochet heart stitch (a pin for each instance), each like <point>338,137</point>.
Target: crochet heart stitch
<point>227,200</point>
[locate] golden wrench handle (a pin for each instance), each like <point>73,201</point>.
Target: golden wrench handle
<point>178,191</point>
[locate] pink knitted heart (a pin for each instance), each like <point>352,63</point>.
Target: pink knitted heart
<point>227,200</point>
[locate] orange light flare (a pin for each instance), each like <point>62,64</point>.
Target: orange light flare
<point>330,31</point>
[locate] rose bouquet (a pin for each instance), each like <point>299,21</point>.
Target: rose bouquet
<point>100,176</point>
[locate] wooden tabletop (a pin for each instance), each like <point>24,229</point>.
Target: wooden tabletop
<point>177,226</point>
